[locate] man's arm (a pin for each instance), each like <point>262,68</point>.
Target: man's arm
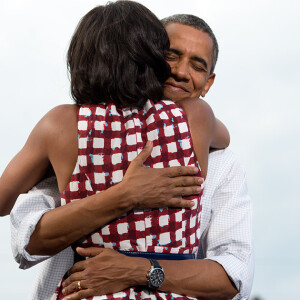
<point>141,187</point>
<point>26,213</point>
<point>228,238</point>
<point>226,268</point>
<point>24,216</point>
<point>109,272</point>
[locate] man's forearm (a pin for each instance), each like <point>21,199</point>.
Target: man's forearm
<point>199,278</point>
<point>141,187</point>
<point>108,271</point>
<point>59,228</point>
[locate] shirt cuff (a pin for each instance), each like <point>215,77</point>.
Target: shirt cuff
<point>23,235</point>
<point>237,272</point>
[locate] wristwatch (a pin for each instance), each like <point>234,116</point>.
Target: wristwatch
<point>156,275</point>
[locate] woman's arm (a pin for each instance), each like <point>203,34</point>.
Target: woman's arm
<point>24,170</point>
<point>221,136</point>
<point>53,141</point>
<point>207,132</point>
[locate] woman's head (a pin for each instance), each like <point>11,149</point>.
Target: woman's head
<point>117,55</point>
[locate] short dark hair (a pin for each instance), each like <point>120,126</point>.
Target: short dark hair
<point>197,23</point>
<point>117,54</point>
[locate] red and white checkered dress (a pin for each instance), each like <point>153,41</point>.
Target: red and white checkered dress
<point>109,139</point>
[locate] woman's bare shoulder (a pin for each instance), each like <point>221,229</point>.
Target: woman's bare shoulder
<point>60,128</point>
<point>59,119</point>
<point>62,113</point>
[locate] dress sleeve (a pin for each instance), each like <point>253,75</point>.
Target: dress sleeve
<point>228,239</point>
<point>26,213</point>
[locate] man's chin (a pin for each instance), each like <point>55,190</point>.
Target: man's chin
<point>173,96</point>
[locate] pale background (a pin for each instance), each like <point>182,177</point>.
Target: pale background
<point>256,94</point>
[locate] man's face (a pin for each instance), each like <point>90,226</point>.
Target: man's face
<point>190,59</point>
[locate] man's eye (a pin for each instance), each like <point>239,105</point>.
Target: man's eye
<point>170,57</point>
<point>199,68</point>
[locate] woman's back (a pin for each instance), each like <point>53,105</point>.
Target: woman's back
<point>108,140</point>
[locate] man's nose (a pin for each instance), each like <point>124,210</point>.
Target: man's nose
<point>181,71</point>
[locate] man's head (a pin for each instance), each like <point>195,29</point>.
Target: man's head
<point>192,56</point>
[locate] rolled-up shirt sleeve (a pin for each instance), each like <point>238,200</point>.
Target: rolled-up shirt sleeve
<point>25,215</point>
<point>228,239</point>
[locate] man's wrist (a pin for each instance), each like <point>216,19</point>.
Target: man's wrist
<point>125,196</point>
<point>138,270</point>
<point>117,199</point>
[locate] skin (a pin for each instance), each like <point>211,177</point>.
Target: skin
<point>56,230</point>
<point>104,273</point>
<point>202,278</point>
<point>141,187</point>
<point>190,59</point>
<point>109,271</point>
<point>153,187</point>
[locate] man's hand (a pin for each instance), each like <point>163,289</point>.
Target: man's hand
<point>106,272</point>
<point>156,188</point>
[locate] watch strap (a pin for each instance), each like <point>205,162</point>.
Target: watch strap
<point>154,263</point>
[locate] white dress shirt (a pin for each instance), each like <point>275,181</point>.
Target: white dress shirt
<point>226,227</point>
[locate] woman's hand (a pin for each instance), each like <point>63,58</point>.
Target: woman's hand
<point>106,272</point>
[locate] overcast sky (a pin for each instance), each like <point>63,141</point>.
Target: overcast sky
<point>256,93</point>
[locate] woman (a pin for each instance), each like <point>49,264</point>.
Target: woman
<point>116,61</point>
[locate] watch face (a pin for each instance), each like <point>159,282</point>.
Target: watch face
<point>156,277</point>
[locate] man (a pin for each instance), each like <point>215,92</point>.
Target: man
<point>225,268</point>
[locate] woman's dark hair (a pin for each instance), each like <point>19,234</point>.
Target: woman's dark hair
<point>117,54</point>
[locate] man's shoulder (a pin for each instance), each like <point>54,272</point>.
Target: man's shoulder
<point>222,155</point>
<point>224,160</point>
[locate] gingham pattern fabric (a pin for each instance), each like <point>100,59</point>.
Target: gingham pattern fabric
<point>109,139</point>
<point>226,205</point>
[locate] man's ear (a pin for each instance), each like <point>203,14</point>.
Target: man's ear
<point>209,83</point>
